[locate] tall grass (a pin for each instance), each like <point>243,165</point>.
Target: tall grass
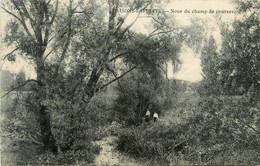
<point>199,131</point>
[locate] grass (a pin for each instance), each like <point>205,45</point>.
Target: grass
<point>166,142</point>
<point>157,142</point>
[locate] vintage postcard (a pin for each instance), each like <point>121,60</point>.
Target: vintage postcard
<point>131,82</point>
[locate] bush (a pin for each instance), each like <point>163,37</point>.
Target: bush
<point>19,125</point>
<point>20,136</point>
<point>229,128</point>
<point>137,92</point>
<point>221,130</point>
<point>155,142</point>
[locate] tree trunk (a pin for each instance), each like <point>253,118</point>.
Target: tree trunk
<point>47,136</point>
<point>44,116</point>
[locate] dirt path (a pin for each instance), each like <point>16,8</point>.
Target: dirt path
<point>109,155</point>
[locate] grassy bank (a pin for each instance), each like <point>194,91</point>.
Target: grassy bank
<point>213,130</point>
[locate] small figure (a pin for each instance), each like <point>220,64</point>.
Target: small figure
<point>147,116</point>
<point>143,119</point>
<point>155,117</point>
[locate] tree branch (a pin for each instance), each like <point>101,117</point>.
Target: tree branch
<point>248,126</point>
<point>27,13</point>
<point>55,12</point>
<point>130,25</point>
<point>31,80</point>
<point>117,56</point>
<point>69,34</point>
<point>84,12</point>
<point>122,21</point>
<point>48,55</point>
<point>10,53</point>
<point>12,14</point>
<point>22,20</point>
<point>120,86</point>
<point>118,77</point>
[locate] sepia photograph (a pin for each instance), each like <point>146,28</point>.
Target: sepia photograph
<point>129,82</point>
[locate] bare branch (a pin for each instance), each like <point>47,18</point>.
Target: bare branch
<point>10,53</point>
<point>55,12</point>
<point>31,80</point>
<point>12,14</point>
<point>120,86</point>
<point>117,56</point>
<point>46,56</point>
<point>27,13</point>
<point>130,25</point>
<point>123,20</point>
<point>248,126</point>
<point>118,77</point>
<point>22,21</point>
<point>84,12</point>
<point>48,2</point>
<point>163,31</point>
<point>48,24</point>
<point>69,34</point>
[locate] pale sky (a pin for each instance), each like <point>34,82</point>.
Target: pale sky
<point>190,69</point>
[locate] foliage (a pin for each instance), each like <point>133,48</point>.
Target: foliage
<point>20,125</point>
<point>136,143</point>
<point>30,32</point>
<point>216,131</point>
<point>113,128</point>
<point>138,92</point>
<point>77,56</point>
<point>235,68</point>
<point>229,102</point>
<point>159,143</point>
<point>230,124</point>
<point>209,63</point>
<point>20,136</point>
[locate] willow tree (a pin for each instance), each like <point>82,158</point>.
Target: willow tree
<point>104,43</point>
<point>30,31</point>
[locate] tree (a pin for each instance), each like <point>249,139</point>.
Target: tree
<point>30,33</point>
<point>99,46</point>
<point>229,117</point>
<point>240,60</point>
<point>209,63</point>
<point>79,54</point>
<point>138,92</point>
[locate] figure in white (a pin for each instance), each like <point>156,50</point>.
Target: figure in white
<point>155,117</point>
<point>147,116</point>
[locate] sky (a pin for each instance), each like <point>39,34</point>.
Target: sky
<point>190,69</point>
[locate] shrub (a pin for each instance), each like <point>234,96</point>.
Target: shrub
<point>20,136</point>
<point>155,142</point>
<point>228,127</point>
<point>137,92</point>
<point>221,130</point>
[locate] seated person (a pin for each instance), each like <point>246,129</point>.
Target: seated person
<point>147,116</point>
<point>155,117</point>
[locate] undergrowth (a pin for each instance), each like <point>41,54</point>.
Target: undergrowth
<point>214,134</point>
